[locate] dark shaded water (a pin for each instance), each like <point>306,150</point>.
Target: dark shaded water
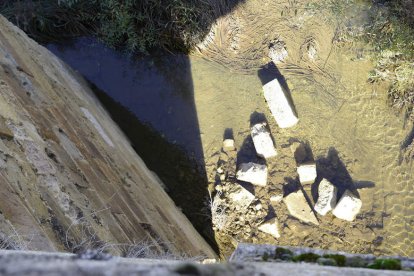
<point>158,89</point>
<point>152,101</point>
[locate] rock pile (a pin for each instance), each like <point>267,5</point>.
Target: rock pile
<point>248,204</point>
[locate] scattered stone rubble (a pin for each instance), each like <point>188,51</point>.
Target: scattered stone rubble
<point>246,213</point>
<point>238,208</point>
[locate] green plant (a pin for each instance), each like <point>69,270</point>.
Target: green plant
<point>283,254</point>
<point>339,259</point>
<point>390,264</point>
<point>306,257</point>
<point>389,30</point>
<point>136,25</point>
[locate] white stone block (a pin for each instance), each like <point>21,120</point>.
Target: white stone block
<point>298,207</point>
<point>279,104</point>
<point>327,197</point>
<point>263,141</point>
<point>348,206</point>
<point>307,173</point>
<point>228,145</point>
<point>241,196</point>
<point>276,199</point>
<point>271,227</point>
<point>253,173</point>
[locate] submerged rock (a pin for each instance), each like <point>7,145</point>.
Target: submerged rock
<point>240,195</point>
<point>307,173</point>
<point>276,198</point>
<point>299,208</point>
<point>327,197</point>
<point>263,141</point>
<point>253,173</point>
<point>278,52</point>
<point>279,104</point>
<point>348,206</point>
<point>271,227</point>
<point>228,145</point>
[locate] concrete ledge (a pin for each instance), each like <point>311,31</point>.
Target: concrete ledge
<point>40,263</point>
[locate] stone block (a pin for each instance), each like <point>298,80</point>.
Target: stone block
<point>252,173</point>
<point>263,141</point>
<point>327,197</point>
<point>279,104</point>
<point>348,206</point>
<point>307,173</point>
<point>299,208</point>
<point>271,227</point>
<point>240,195</point>
<point>228,145</point>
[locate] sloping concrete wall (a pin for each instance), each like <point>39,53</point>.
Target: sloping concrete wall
<point>69,178</point>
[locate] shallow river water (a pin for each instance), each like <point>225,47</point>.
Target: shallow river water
<point>193,103</point>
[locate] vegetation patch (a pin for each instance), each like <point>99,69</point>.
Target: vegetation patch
<point>390,32</point>
<point>306,257</point>
<point>339,259</point>
<point>389,264</point>
<point>135,25</point>
<point>283,254</point>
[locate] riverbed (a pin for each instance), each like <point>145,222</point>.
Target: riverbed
<point>193,101</point>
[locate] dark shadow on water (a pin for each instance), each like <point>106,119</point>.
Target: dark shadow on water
<point>175,168</point>
<point>408,140</point>
<point>247,153</point>
<point>333,169</point>
<point>228,134</point>
<point>308,149</point>
<point>291,185</point>
<point>256,118</point>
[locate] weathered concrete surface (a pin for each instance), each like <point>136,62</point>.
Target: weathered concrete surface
<point>249,253</point>
<point>68,176</point>
<point>32,263</point>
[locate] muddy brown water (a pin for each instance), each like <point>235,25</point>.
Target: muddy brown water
<point>355,138</point>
